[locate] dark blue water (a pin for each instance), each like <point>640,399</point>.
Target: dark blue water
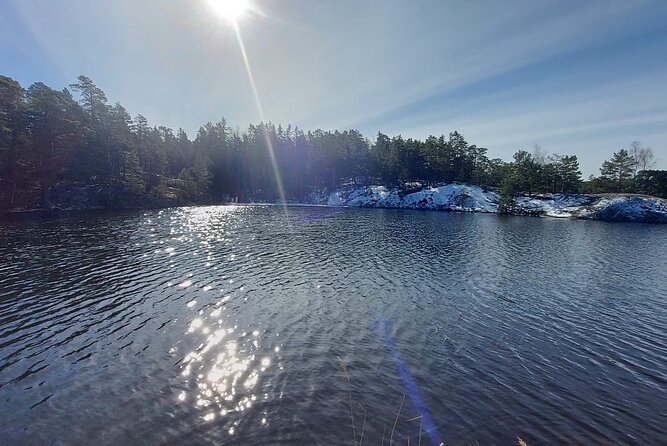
<point>258,325</point>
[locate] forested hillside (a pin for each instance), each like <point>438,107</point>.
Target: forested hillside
<point>71,148</point>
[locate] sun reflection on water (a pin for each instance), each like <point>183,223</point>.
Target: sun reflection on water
<point>224,363</point>
<point>224,370</point>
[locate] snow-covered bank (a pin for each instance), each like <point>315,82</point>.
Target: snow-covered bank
<point>465,198</point>
<point>451,197</point>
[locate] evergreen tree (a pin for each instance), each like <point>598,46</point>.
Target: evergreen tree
<point>563,174</point>
<point>12,138</point>
<point>618,170</point>
<point>51,144</point>
<point>525,173</point>
<point>126,173</point>
<point>569,173</point>
<point>53,134</point>
<point>652,182</point>
<point>93,99</point>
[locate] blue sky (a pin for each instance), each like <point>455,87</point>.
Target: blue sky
<point>576,77</point>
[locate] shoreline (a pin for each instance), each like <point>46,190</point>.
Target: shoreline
<point>444,198</point>
<point>455,197</point>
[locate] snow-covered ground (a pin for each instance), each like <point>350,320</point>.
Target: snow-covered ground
<point>465,198</point>
<point>629,208</point>
<point>451,197</point>
<point>557,205</point>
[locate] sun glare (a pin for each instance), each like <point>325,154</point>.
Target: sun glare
<point>230,9</point>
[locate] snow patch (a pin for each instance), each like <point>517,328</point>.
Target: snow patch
<point>556,205</point>
<point>467,198</point>
<point>451,197</point>
<point>631,208</point>
<point>335,200</point>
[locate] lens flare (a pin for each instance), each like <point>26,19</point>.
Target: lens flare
<point>232,10</point>
<point>260,110</point>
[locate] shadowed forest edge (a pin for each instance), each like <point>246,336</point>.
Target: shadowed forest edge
<point>62,151</point>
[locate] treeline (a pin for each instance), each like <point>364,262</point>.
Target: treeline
<point>60,150</point>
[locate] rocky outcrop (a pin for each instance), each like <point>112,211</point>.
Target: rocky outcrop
<point>466,198</point>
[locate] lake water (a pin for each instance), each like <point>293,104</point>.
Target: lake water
<point>263,325</point>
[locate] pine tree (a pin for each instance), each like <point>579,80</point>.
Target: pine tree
<point>12,137</point>
<point>53,134</point>
<point>49,143</point>
<point>93,98</point>
<point>570,174</point>
<point>525,172</point>
<point>125,170</point>
<point>618,169</point>
<point>652,182</point>
<point>562,174</point>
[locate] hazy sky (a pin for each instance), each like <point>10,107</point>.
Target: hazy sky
<point>577,77</point>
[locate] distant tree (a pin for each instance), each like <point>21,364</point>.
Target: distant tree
<point>460,164</point>
<point>509,187</point>
<point>12,136</point>
<point>93,98</point>
<point>618,170</point>
<point>196,182</point>
<point>643,157</point>
<point>51,143</point>
<point>495,171</point>
<point>652,182</point>
<point>385,158</point>
<point>430,155</point>
<point>53,133</point>
<point>97,161</point>
<point>479,164</point>
<point>596,185</point>
<point>525,172</point>
<point>211,152</point>
<point>566,176</point>
<point>539,155</point>
<point>356,155</point>
<point>570,174</point>
<point>125,171</point>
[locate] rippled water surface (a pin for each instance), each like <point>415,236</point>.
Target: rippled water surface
<point>259,325</point>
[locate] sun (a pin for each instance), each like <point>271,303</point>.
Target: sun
<point>230,9</point>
